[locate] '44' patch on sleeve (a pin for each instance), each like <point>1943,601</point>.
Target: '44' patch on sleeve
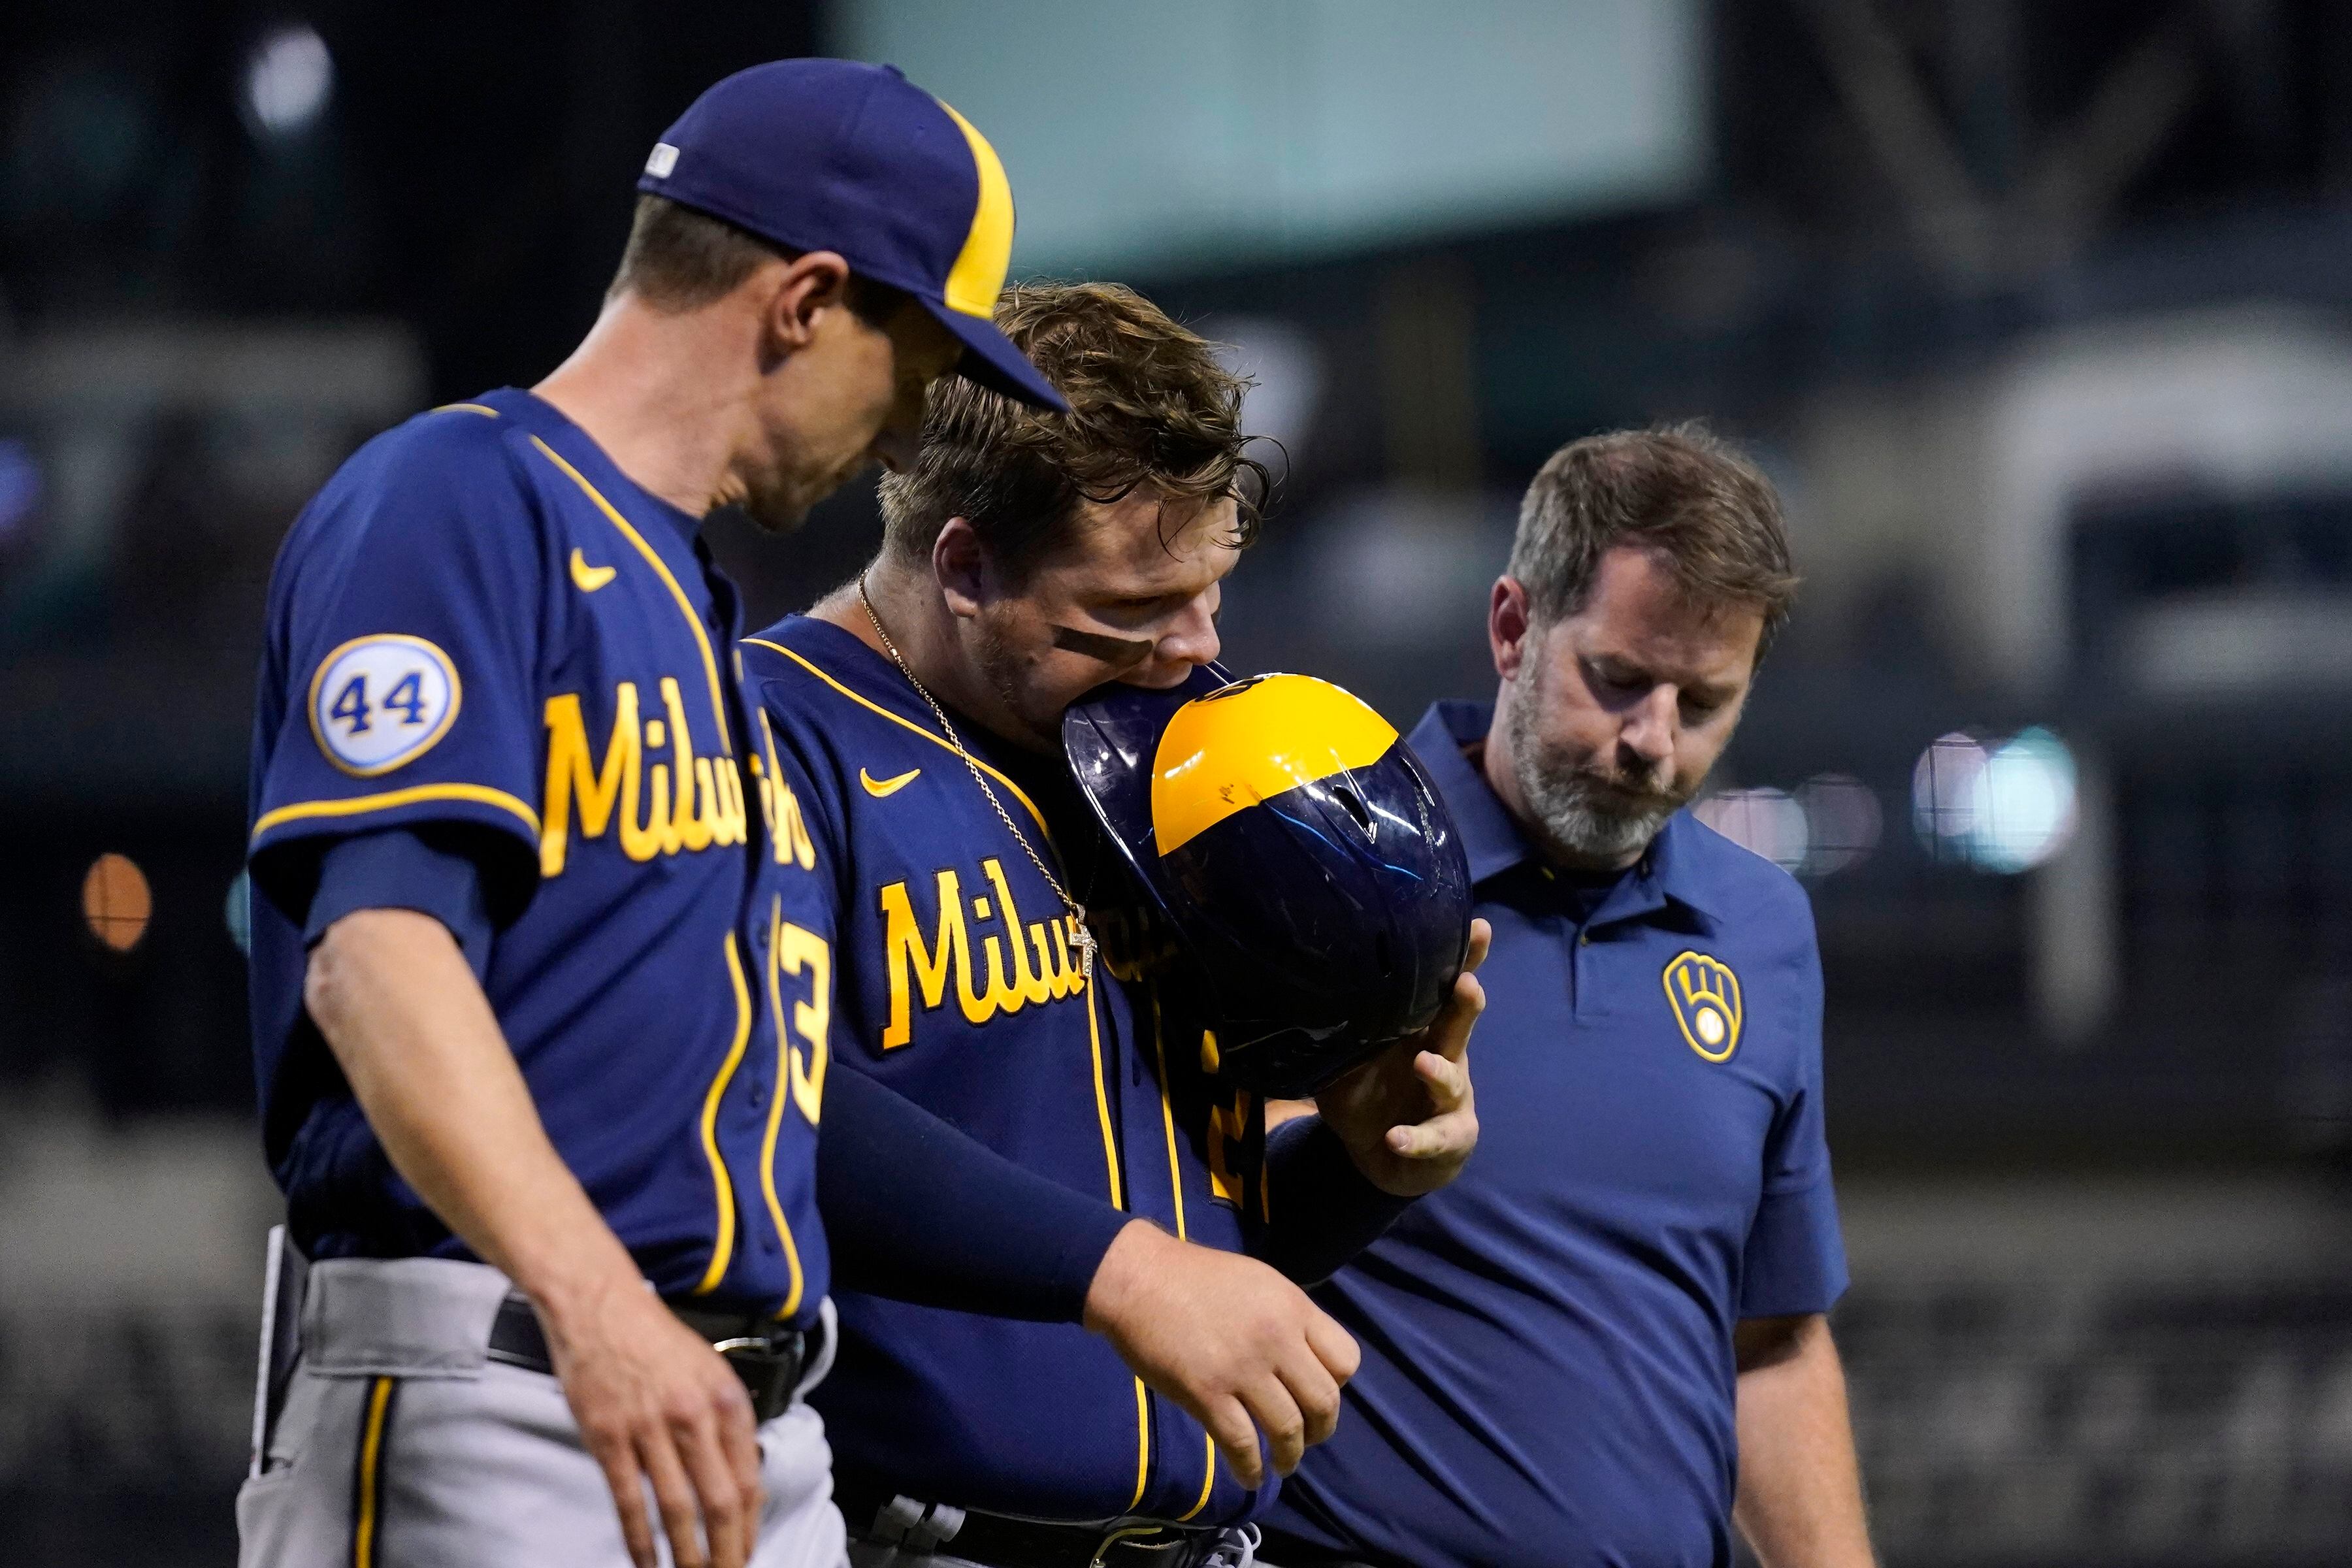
<point>380,702</point>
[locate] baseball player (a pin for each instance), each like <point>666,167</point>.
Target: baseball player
<point>1608,1341</point>
<point>995,969</point>
<point>540,986</point>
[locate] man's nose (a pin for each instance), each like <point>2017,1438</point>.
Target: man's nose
<point>1194,639</point>
<point>1191,643</point>
<point>1652,727</point>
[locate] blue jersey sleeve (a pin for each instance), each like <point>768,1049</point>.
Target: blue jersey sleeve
<point>396,869</point>
<point>1795,1258</point>
<point>400,684</point>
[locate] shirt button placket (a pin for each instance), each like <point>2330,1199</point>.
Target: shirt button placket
<point>1575,963</point>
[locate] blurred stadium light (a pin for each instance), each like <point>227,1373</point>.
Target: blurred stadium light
<point>1842,821</point>
<point>116,902</point>
<point>2007,807</point>
<point>1766,821</point>
<point>288,79</point>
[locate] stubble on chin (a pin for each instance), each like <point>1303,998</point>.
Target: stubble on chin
<point>776,521</point>
<point>1005,672</point>
<point>1585,818</point>
<point>780,503</point>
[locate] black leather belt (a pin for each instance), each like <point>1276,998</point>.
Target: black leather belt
<point>878,1514</point>
<point>768,1356</point>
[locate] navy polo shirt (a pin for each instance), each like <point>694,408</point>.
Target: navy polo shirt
<point>1548,1372</point>
<point>483,633</point>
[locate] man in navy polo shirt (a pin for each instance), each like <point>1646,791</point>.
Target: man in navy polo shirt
<point>1606,1342</point>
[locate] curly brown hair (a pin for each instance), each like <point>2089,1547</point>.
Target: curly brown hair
<point>1149,405</point>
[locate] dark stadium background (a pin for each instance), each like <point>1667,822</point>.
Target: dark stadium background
<point>2041,313</point>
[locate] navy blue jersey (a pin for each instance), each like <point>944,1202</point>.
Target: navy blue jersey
<point>1548,1374</point>
<point>481,629</point>
<point>961,989</point>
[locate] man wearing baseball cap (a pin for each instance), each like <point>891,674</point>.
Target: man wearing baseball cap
<point>540,965</point>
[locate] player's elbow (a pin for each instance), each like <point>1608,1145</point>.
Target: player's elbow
<point>349,962</point>
<point>330,980</point>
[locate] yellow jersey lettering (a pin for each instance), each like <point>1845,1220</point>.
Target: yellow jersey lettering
<point>787,829</point>
<point>690,803</point>
<point>796,950</point>
<point>1030,984</point>
<point>656,837</point>
<point>571,772</point>
<point>695,814</point>
<point>904,949</point>
<point>1030,962</point>
<point>1228,1126</point>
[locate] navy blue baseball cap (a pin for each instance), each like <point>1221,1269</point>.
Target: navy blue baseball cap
<point>816,154</point>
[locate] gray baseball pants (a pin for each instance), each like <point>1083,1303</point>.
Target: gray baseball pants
<point>398,1443</point>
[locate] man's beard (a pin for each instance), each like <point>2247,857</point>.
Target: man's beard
<point>1586,816</point>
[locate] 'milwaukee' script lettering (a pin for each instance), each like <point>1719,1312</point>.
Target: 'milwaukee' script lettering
<point>1027,962</point>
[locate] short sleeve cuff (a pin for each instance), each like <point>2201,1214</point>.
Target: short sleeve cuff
<point>396,869</point>
<point>1795,1261</point>
<point>341,816</point>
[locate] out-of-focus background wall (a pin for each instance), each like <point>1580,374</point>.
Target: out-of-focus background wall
<point>2038,311</point>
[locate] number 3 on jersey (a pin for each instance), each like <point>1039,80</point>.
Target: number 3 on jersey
<point>797,950</point>
<point>380,702</point>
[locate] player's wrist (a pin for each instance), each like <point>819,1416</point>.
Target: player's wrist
<point>1361,1133</point>
<point>1130,1264</point>
<point>577,1285</point>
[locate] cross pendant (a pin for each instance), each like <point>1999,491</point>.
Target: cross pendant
<point>1085,940</point>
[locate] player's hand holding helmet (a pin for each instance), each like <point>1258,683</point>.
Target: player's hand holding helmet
<point>1301,854</point>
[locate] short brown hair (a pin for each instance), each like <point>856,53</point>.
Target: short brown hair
<point>1685,494</point>
<point>1149,405</point>
<point>680,260</point>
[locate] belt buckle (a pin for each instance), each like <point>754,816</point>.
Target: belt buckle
<point>769,1368</point>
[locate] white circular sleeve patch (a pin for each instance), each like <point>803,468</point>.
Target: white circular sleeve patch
<point>380,702</point>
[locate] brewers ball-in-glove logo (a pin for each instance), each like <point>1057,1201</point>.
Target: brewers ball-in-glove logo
<point>379,702</point>
<point>1705,994</point>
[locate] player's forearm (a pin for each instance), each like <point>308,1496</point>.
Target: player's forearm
<point>1324,1210</point>
<point>1800,1502</point>
<point>417,1038</point>
<point>919,1210</point>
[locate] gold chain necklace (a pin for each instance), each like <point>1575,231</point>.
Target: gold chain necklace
<point>1076,912</point>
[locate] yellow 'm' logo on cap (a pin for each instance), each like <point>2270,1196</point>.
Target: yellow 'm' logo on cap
<point>978,275</point>
<point>1228,751</point>
<point>1705,995</point>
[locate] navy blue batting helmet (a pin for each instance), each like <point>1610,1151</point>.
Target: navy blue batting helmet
<point>1300,852</point>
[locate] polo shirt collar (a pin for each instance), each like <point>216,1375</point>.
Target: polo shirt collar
<point>1665,876</point>
<point>1490,839</point>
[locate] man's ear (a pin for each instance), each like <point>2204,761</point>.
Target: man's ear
<point>805,288</point>
<point>960,562</point>
<point>1508,625</point>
